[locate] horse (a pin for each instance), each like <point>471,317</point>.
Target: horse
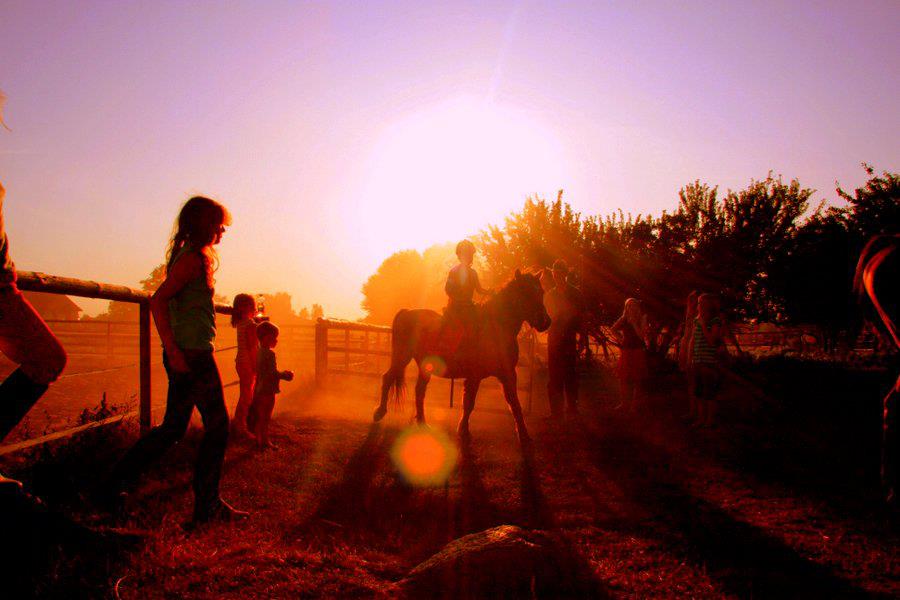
<point>493,350</point>
<point>877,273</point>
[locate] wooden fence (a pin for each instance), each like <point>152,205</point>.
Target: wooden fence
<point>40,282</point>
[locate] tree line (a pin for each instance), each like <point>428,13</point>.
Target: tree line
<point>764,249</point>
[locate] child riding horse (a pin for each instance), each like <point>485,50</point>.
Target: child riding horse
<point>493,351</point>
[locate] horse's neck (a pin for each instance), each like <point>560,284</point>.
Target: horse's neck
<point>501,312</point>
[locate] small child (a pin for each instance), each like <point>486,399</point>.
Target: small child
<point>706,343</point>
<point>267,384</point>
<point>242,319</point>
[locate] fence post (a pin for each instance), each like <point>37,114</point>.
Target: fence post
<point>144,342</point>
<point>366,349</point>
<point>346,350</point>
<point>321,352</point>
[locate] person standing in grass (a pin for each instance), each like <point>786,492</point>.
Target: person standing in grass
<point>632,330</point>
<point>243,319</point>
<point>565,305</point>
<point>706,344</point>
<point>184,313</point>
<point>267,384</point>
<point>26,340</point>
<point>684,354</point>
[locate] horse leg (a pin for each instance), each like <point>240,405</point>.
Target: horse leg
<point>511,393</point>
<point>470,391</point>
<point>421,386</point>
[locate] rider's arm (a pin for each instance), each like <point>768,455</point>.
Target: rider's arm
<point>478,287</point>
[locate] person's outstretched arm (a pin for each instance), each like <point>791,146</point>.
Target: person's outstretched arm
<point>478,288</point>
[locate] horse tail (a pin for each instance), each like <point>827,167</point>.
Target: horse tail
<point>395,377</point>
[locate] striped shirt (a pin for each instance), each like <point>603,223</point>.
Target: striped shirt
<point>704,352</point>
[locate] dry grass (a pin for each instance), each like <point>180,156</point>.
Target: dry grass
<point>772,503</point>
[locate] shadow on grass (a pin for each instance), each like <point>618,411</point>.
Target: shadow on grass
<point>745,559</point>
<point>475,511</point>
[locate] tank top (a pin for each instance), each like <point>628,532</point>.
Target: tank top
<point>192,313</point>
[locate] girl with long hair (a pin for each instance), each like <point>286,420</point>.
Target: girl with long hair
<point>632,330</point>
<point>184,313</point>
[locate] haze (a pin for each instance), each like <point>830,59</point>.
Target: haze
<point>338,133</point>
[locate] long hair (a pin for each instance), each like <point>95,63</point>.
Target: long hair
<point>196,226</point>
<point>634,315</point>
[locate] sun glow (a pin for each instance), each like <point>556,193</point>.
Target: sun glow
<point>448,171</point>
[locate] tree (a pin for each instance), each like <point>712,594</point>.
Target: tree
<point>408,279</point>
<point>317,311</point>
<point>874,208</point>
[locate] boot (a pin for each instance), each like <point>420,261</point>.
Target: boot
<point>18,393</point>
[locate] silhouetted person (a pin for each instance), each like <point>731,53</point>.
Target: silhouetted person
<point>268,379</point>
<point>25,339</point>
<point>632,330</point>
<point>462,283</point>
<point>565,305</point>
<point>707,344</point>
<point>185,317</point>
<point>684,354</point>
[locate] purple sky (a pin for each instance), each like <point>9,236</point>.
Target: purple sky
<point>119,110</point>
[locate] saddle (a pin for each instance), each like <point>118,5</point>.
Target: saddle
<point>457,332</point>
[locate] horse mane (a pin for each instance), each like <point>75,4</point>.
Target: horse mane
<point>508,287</point>
<point>875,245</point>
<point>873,310</point>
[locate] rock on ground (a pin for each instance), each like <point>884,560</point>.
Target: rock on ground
<point>502,562</point>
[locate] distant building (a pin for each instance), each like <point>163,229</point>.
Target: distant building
<point>56,307</point>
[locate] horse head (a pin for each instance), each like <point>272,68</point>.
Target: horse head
<point>529,300</point>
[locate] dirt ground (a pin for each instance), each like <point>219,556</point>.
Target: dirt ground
<point>776,501</point>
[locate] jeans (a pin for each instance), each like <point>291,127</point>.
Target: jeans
<point>562,355</point>
<point>201,386</point>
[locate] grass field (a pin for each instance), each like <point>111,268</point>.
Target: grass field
<point>780,500</point>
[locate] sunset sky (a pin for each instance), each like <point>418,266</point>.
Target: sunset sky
<point>338,133</point>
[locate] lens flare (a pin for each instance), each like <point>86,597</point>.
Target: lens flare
<point>434,365</point>
<point>424,457</point>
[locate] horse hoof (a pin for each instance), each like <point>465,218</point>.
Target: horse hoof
<point>380,411</point>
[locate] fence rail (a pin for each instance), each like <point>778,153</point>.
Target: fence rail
<point>41,282</point>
